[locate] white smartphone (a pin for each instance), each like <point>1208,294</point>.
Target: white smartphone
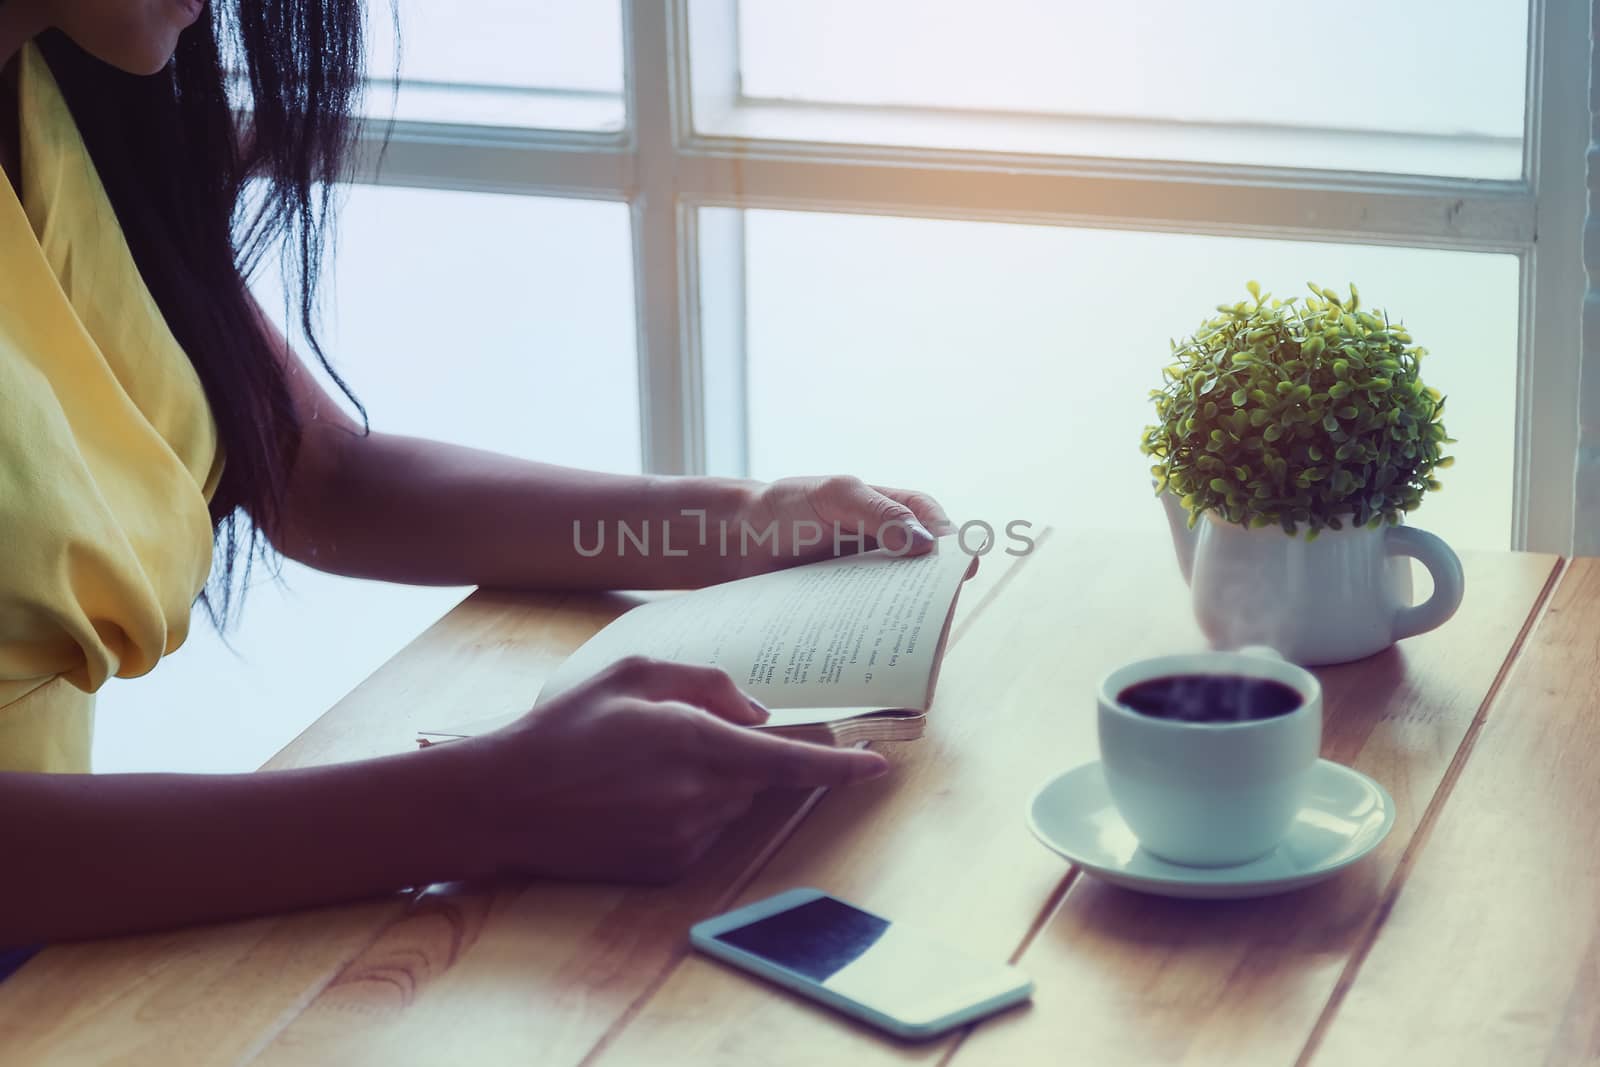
<point>860,963</point>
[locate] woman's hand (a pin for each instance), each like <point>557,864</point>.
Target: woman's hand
<point>798,520</point>
<point>633,774</point>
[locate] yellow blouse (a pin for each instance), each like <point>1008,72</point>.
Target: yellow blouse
<point>108,453</point>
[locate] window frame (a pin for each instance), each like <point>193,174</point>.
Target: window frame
<point>688,275</point>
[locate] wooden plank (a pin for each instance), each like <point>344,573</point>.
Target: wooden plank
<point>201,995</point>
<point>1490,953</point>
<point>211,994</point>
<point>1122,978</point>
<point>539,972</point>
<point>1131,979</point>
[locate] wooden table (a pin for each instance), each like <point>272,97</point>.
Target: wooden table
<point>1471,936</point>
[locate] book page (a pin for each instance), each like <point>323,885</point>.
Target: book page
<point>782,717</point>
<point>855,632</point>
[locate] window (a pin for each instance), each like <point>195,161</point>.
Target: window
<point>1376,125</point>
<point>1377,140</point>
<point>1009,365</point>
<point>516,333</point>
<point>1388,85</point>
<point>1156,60</point>
<point>497,63</point>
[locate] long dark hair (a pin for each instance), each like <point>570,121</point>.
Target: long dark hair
<point>176,165</point>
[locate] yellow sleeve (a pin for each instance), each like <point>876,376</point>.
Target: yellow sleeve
<point>107,449</point>
<point>74,596</point>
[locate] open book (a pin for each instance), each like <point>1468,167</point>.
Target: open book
<point>841,651</point>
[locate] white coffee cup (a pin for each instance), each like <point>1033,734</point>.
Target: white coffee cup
<point>1209,794</point>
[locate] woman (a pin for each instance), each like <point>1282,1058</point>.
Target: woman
<point>147,408</point>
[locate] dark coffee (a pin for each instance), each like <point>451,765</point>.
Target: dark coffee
<point>1219,698</point>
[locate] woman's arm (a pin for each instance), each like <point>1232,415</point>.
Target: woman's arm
<point>403,509</point>
<point>90,855</point>
<point>408,510</point>
<point>629,776</point>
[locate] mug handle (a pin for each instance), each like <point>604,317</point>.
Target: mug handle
<point>1449,584</point>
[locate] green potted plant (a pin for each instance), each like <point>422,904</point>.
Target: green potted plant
<point>1305,417</point>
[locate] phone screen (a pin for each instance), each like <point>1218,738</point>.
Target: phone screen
<point>869,959</point>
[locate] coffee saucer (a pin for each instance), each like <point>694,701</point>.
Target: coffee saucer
<point>1346,817</point>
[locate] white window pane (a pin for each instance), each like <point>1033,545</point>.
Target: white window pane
<point>493,321</point>
<point>1428,86</point>
<point>1007,368</point>
<point>547,63</point>
<point>501,322</point>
